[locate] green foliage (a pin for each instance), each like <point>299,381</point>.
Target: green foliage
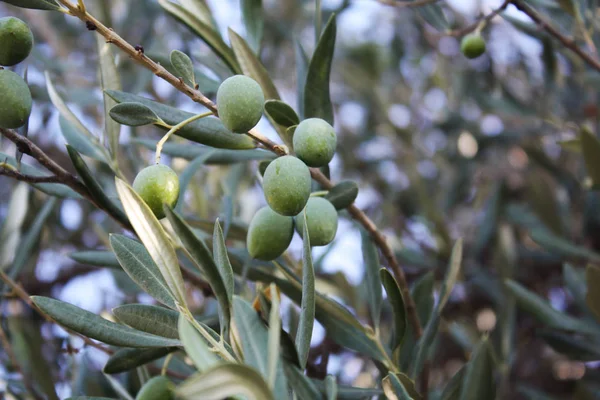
<point>16,104</point>
<point>16,41</point>
<point>217,300</point>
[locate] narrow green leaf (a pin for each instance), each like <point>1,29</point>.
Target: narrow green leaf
<point>147,318</point>
<point>252,16</point>
<point>253,336</point>
<point>222,260</point>
<point>96,191</point>
<point>343,194</point>
<point>200,9</point>
<point>274,337</point>
<point>372,280</point>
<point>451,274</point>
<point>87,397</point>
<point>109,80</point>
<point>96,258</point>
<point>590,145</point>
<point>303,387</point>
<point>331,387</point>
<point>452,388</point>
<point>206,32</point>
<point>281,113</point>
<point>394,389</point>
<point>35,4</point>
<point>67,114</point>
<point>141,268</point>
<point>31,238</point>
<point>216,156</point>
<point>182,63</point>
<point>154,238</point>
<point>204,261</point>
<point>307,306</point>
<point>301,73</point>
<point>51,189</point>
<point>574,279</point>
<point>224,380</point>
<point>252,66</point>
<point>79,141</point>
<point>574,347</point>
<point>433,14</point>
<point>10,234</point>
<point>592,298</point>
<point>346,392</point>
<point>542,311</point>
<point>195,345</point>
<point>209,131</point>
<point>129,358</point>
<point>96,327</point>
<point>317,100</point>
<point>478,382</point>
<point>118,388</point>
<point>396,300</point>
<point>562,247</point>
<point>134,114</point>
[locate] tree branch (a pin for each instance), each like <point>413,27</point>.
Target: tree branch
<point>27,178</point>
<point>484,20</point>
<point>568,42</point>
<point>407,4</point>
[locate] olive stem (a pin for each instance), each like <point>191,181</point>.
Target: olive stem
<point>320,193</point>
<point>165,366</point>
<point>161,143</point>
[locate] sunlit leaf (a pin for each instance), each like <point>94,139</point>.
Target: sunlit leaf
<point>195,345</point>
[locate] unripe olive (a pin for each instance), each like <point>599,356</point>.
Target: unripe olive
<point>315,142</point>
<point>16,41</point>
<point>15,100</point>
<point>269,234</point>
<point>472,46</point>
<point>157,388</point>
<point>240,101</point>
<point>322,220</point>
<point>157,185</point>
<point>286,184</point>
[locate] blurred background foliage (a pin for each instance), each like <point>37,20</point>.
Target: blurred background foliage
<point>441,146</point>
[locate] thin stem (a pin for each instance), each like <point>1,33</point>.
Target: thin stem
<point>165,366</point>
<point>407,4</point>
<point>174,129</point>
<point>480,24</point>
<point>4,170</point>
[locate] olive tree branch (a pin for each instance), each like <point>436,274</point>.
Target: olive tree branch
<point>407,4</point>
<point>480,23</point>
<point>568,42</point>
<point>7,171</point>
<point>198,97</point>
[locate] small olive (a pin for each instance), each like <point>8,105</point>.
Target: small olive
<point>16,41</point>
<point>240,101</point>
<point>315,142</point>
<point>157,185</point>
<point>472,46</point>
<point>16,102</point>
<point>157,388</point>
<point>269,234</point>
<point>286,184</point>
<point>322,220</point>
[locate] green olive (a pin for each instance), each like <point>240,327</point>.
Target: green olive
<point>16,41</point>
<point>240,101</point>
<point>322,220</point>
<point>286,184</point>
<point>157,185</point>
<point>15,106</point>
<point>472,46</point>
<point>315,142</point>
<point>157,388</point>
<point>269,234</point>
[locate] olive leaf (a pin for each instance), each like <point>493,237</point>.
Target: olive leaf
<point>281,113</point>
<point>51,5</point>
<point>134,114</point>
<point>129,358</point>
<point>184,67</point>
<point>307,305</point>
<point>343,194</point>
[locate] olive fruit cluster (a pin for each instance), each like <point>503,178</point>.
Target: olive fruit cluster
<point>286,180</point>
<point>16,41</point>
